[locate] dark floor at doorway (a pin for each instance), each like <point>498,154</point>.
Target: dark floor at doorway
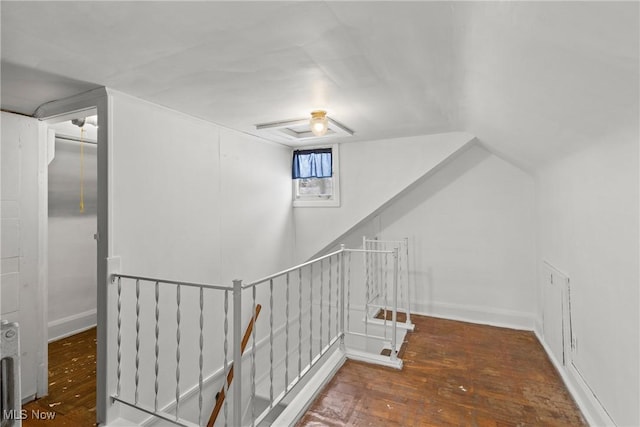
<point>72,385</point>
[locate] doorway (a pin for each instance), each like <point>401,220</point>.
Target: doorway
<point>71,300</point>
<point>72,226</point>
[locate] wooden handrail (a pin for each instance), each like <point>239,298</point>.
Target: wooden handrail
<point>221,395</point>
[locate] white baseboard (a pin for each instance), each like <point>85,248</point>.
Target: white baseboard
<point>374,359</point>
<point>70,325</point>
<point>476,314</point>
<point>589,405</point>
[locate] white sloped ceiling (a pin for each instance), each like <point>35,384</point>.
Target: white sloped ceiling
<point>539,80</point>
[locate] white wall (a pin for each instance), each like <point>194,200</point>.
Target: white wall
<point>256,213</point>
<point>23,267</point>
<point>588,227</point>
<point>371,174</point>
<point>195,201</point>
<point>472,244</point>
<point>72,275</point>
<point>72,247</point>
<point>165,184</point>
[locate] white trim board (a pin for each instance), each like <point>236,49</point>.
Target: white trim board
<point>476,314</point>
<point>71,325</point>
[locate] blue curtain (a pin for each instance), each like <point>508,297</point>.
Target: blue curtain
<point>314,163</point>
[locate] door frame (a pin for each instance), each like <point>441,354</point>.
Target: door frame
<point>99,100</point>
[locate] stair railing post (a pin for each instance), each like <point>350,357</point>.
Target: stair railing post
<point>394,314</point>
<point>237,352</point>
<point>406,260</point>
<point>342,296</point>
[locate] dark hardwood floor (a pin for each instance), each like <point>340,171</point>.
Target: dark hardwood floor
<point>455,374</point>
<point>72,384</point>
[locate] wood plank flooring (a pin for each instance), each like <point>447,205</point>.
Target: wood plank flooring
<point>72,384</point>
<point>455,374</point>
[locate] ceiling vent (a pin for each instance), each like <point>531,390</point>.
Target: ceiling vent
<point>299,131</point>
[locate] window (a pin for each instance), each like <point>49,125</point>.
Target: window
<point>315,177</point>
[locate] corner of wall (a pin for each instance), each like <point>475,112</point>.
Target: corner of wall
<point>74,324</point>
<point>480,315</point>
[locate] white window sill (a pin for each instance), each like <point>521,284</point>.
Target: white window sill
<point>326,203</point>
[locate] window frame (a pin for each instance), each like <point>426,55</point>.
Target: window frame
<point>334,200</point>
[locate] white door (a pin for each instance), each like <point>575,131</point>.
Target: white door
<point>555,312</point>
<point>23,216</point>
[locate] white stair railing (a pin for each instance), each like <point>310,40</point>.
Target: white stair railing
<point>378,302</point>
<point>153,299</point>
<point>170,326</point>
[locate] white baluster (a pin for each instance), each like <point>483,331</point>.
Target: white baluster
<point>177,352</point>
<point>226,357</point>
<point>201,359</point>
<point>137,373</point>
<point>237,352</point>
<point>348,328</point>
<point>386,278</point>
<point>286,339</point>
<point>329,314</point>
<point>406,246</point>
<point>340,297</point>
<point>157,347</point>
<point>299,322</point>
<point>339,308</point>
<point>253,361</point>
<point>394,314</point>
<point>310,313</point>
<point>270,343</point>
<point>367,283</point>
<point>400,274</point>
<point>119,340</point>
<point>321,299</point>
